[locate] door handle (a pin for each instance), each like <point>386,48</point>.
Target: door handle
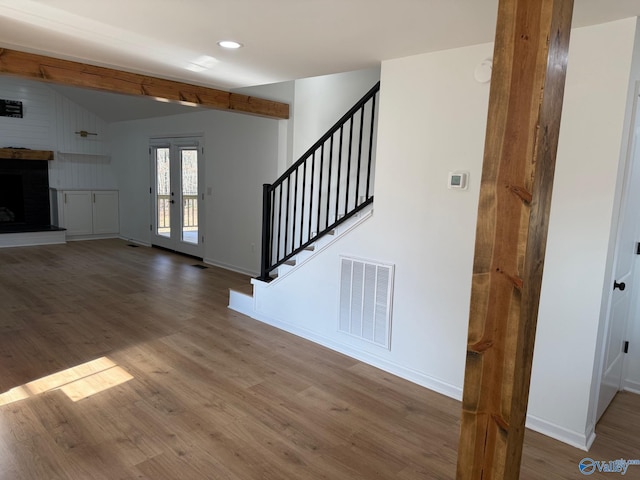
<point>621,286</point>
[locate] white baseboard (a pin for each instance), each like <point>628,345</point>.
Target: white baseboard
<point>134,241</point>
<point>570,437</point>
<point>32,239</point>
<point>79,238</point>
<point>633,387</point>
<point>246,307</point>
<point>233,268</point>
<point>401,371</point>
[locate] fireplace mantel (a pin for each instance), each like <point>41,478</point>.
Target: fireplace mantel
<point>25,154</point>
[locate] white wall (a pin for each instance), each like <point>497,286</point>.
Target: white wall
<point>583,208</point>
<point>36,130</point>
<point>321,101</point>
<point>428,104</point>
<point>240,155</point>
<point>281,92</point>
<point>432,121</point>
<point>316,104</point>
<point>50,122</point>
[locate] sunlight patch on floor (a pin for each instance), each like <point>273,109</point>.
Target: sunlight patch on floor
<point>79,382</point>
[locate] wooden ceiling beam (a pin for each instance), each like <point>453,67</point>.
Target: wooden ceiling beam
<point>65,72</point>
<point>525,105</point>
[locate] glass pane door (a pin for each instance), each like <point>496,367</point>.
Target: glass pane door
<point>189,177</point>
<point>177,210</point>
<point>163,192</point>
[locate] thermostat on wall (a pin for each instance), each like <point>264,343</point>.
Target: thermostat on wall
<point>458,180</point>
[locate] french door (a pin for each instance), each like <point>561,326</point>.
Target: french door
<point>177,200</point>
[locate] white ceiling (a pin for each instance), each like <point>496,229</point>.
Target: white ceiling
<point>283,39</point>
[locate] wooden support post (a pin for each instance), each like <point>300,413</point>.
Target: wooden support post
<point>525,104</point>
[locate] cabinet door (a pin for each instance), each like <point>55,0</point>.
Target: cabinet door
<point>105,212</point>
<point>78,213</point>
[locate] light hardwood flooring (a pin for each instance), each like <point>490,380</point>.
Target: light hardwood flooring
<point>184,388</point>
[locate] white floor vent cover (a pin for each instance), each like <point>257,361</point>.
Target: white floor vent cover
<point>365,300</point>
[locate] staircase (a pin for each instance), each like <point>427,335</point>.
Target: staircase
<point>323,195</point>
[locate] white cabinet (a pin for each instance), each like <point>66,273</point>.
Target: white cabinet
<point>89,213</point>
<point>77,213</point>
<point>105,212</point>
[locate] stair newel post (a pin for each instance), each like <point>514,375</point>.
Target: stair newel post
<point>265,261</point>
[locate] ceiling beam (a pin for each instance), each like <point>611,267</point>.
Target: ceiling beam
<point>65,72</point>
<point>525,105</point>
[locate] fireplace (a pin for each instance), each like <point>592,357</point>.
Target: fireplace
<point>24,195</point>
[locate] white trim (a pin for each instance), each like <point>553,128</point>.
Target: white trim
<point>233,268</point>
<point>133,240</point>
<point>414,376</point>
<point>77,238</point>
<point>159,138</point>
<point>583,441</point>
<point>31,239</point>
<point>176,145</point>
<point>240,302</point>
<point>325,242</point>
<point>632,387</point>
<point>245,305</point>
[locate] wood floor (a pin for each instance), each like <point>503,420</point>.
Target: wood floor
<point>179,387</point>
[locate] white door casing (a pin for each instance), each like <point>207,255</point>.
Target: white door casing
<point>624,288</point>
<point>177,201</point>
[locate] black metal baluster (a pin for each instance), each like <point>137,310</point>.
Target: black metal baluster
<point>295,211</point>
<point>278,247</point>
<point>373,118</point>
<point>339,174</point>
<point>278,257</point>
<point>304,199</point>
<point>286,223</point>
<point>359,172</point>
<point>320,186</point>
<point>348,181</point>
<point>328,182</point>
<point>313,176</point>
<point>272,260</point>
<point>266,232</point>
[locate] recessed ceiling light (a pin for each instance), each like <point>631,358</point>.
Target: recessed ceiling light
<point>229,44</point>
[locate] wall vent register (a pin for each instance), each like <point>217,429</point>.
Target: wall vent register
<point>365,300</point>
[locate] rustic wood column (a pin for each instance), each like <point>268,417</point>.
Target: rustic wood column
<point>527,89</point>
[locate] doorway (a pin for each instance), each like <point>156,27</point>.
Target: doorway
<point>619,367</point>
<point>177,206</point>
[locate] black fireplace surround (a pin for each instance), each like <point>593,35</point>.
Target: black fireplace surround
<point>24,196</point>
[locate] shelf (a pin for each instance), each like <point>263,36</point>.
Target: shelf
<point>84,154</point>
<point>25,154</point>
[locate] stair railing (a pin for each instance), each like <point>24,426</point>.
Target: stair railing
<point>329,184</point>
